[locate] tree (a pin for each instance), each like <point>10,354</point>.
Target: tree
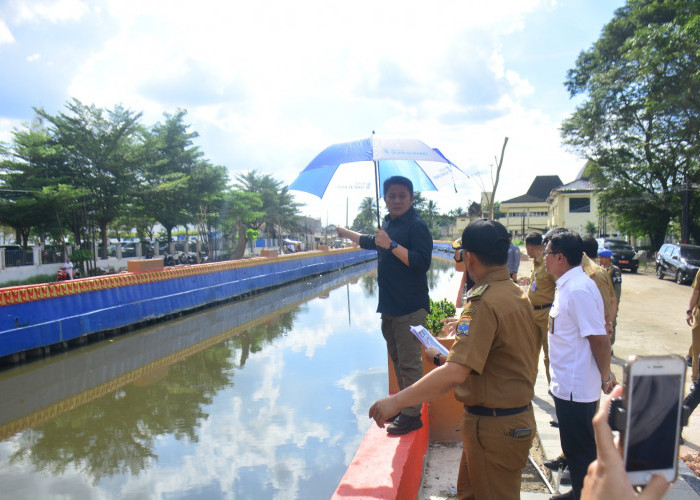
<point>640,123</point>
<point>240,209</point>
<point>103,153</point>
<point>427,210</point>
<point>37,195</point>
<point>207,189</point>
<point>366,218</point>
<point>278,205</point>
<point>172,158</point>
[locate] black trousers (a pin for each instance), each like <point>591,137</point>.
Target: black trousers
<point>577,438</point>
<point>693,398</point>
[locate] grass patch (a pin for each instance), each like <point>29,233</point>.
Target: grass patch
<point>39,278</point>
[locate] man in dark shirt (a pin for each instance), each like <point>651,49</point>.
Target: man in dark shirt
<point>404,246</point>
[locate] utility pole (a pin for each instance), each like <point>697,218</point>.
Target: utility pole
<point>499,163</point>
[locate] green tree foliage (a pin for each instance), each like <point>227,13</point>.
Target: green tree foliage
<point>35,186</point>
<point>207,191</point>
<point>639,124</point>
<point>278,205</point>
<point>94,167</point>
<point>171,160</point>
<point>103,153</point>
<point>240,211</point>
<point>366,220</point>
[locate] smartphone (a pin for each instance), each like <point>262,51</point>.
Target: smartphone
<point>653,389</point>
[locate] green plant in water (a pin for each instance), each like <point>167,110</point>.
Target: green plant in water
<point>439,310</point>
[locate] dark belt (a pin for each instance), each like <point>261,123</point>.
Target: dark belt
<point>482,411</point>
<point>545,306</point>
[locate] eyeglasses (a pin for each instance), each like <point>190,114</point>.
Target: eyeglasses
<point>461,256</point>
<point>544,254</point>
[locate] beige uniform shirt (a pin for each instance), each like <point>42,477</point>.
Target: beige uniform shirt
<point>541,290</point>
<point>696,286</point>
<point>602,280</point>
<point>498,339</point>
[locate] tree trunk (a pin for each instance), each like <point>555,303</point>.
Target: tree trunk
<point>105,240</point>
<point>240,244</point>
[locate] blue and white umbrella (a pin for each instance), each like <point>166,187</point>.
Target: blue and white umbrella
<point>427,168</point>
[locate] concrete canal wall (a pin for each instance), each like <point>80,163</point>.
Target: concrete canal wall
<point>33,396</point>
<point>35,317</point>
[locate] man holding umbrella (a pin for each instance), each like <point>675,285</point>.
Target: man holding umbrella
<point>404,246</point>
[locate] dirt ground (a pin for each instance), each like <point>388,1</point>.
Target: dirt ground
<point>651,320</point>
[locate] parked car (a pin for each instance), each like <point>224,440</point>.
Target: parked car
<point>623,255</point>
<point>128,250</point>
<point>678,261</point>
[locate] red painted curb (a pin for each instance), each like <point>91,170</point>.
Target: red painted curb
<point>386,466</point>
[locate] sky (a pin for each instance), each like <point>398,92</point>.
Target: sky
<point>269,84</point>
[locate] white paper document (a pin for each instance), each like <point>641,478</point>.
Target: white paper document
<point>428,340</point>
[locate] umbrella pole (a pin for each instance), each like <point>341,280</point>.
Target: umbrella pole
<point>376,190</point>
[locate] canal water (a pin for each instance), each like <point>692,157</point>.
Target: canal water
<point>259,398</point>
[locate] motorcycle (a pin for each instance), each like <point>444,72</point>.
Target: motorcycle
<point>62,274</point>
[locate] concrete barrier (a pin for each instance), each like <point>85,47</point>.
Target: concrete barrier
<point>142,266</point>
<point>386,466</point>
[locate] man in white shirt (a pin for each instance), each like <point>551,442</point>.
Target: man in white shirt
<point>68,266</point>
<point>579,354</point>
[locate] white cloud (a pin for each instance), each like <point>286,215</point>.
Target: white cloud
<point>5,34</point>
<point>55,12</point>
<point>269,84</point>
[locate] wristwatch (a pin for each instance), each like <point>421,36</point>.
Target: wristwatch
<point>436,359</point>
<point>393,245</point>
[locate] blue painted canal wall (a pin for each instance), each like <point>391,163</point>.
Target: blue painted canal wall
<point>43,315</point>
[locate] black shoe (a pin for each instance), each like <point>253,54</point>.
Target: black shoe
<point>563,496</point>
<point>689,361</point>
<point>391,419</point>
<point>555,463</point>
<point>565,476</point>
<point>554,423</point>
<point>404,424</point>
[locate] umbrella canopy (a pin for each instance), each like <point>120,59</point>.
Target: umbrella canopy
<point>427,168</point>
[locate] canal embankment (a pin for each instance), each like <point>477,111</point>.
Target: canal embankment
<point>35,319</point>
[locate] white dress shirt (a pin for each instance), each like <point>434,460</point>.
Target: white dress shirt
<point>576,313</point>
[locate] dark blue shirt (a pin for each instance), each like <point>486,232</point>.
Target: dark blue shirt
<point>403,289</point>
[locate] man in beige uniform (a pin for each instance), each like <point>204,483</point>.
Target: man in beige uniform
<point>602,280</point>
<point>491,367</point>
<point>540,291</point>
<point>692,317</point>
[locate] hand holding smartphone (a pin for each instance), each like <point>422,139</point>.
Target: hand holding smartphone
<point>652,396</point>
<point>606,476</point>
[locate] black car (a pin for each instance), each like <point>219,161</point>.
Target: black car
<point>678,261</point>
<point>623,255</point>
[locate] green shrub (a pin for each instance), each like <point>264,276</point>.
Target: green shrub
<point>439,310</point>
<point>39,278</point>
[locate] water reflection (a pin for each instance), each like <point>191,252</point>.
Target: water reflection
<point>272,409</point>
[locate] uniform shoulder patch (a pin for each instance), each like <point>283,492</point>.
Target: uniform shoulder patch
<point>476,292</point>
<point>463,325</point>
